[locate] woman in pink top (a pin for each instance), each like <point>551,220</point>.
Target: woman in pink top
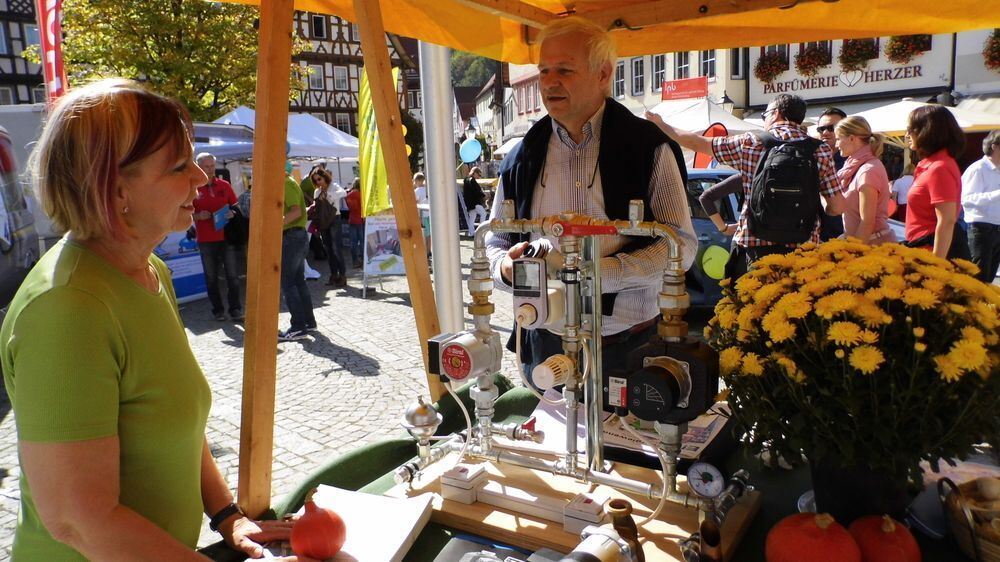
<point>935,198</point>
<point>864,182</point>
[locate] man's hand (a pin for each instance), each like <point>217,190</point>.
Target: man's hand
<point>507,264</point>
<point>659,122</point>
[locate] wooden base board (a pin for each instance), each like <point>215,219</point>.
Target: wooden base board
<point>659,537</point>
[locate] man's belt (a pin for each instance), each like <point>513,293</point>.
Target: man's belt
<point>625,334</point>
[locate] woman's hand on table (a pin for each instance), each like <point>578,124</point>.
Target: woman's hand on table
<point>246,535</point>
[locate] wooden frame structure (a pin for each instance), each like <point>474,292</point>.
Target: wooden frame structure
<point>644,26</point>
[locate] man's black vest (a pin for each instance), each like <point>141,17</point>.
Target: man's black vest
<point>625,158</point>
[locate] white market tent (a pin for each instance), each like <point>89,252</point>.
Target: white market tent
<point>508,146</point>
<point>891,120</point>
<point>308,137</point>
<point>697,114</point>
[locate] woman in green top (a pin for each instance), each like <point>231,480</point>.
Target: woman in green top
<point>109,402</point>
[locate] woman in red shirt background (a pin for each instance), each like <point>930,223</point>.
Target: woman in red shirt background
<point>356,221</point>
<point>934,199</point>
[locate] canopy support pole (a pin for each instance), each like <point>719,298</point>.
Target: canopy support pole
<point>397,167</point>
<point>264,265</point>
<point>439,148</point>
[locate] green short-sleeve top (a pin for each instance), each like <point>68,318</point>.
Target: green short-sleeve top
<point>294,197</point>
<point>87,353</point>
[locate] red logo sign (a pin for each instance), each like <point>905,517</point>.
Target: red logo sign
<point>456,362</point>
<point>50,32</point>
<point>684,89</point>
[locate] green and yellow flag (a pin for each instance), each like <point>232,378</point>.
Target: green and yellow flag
<point>374,181</point>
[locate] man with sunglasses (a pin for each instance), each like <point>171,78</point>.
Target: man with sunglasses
<point>832,227</point>
<point>783,120</point>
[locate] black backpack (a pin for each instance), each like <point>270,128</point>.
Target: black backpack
<point>784,195</point>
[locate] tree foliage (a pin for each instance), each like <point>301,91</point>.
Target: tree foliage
<point>201,53</point>
<point>468,69</point>
<point>414,138</point>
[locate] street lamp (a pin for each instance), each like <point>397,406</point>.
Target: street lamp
<point>471,131</point>
<point>727,102</point>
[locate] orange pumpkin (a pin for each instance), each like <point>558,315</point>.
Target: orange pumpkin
<point>319,533</point>
<point>883,539</point>
<point>810,536</point>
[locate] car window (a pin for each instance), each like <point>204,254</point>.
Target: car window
<point>695,187</point>
<point>10,189</point>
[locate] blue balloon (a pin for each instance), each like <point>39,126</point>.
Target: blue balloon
<point>470,150</point>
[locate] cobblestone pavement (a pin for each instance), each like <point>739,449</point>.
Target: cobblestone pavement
<point>345,386</point>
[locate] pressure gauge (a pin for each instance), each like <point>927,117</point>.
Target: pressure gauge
<point>705,480</point>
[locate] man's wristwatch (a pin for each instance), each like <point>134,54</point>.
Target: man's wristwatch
<point>222,515</point>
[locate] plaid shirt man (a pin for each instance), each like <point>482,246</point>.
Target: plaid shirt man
<point>744,152</point>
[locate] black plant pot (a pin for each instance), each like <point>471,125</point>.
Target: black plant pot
<point>848,493</point>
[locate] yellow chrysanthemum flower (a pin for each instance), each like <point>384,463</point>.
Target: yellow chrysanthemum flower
<point>972,334</point>
<point>986,315</point>
<point>729,359</point>
<point>920,297</point>
<point>726,315</point>
<point>967,355</point>
<point>919,332</point>
<point>966,267</point>
<point>934,286</point>
<point>782,331</point>
<point>840,301</point>
<point>747,285</point>
<point>920,347</point>
<point>844,333</point>
<point>766,294</point>
<point>794,305</point>
<point>866,359</point>
<point>947,368</point>
<point>869,337</point>
<point>875,294</point>
<point>752,365</point>
<point>957,308</point>
<point>839,354</point>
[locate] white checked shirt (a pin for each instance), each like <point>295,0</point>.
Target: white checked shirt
<point>981,192</point>
<point>564,185</point>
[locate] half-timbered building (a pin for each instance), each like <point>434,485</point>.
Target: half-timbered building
<point>20,80</point>
<point>334,60</point>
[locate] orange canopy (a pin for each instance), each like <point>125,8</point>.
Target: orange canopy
<point>505,29</point>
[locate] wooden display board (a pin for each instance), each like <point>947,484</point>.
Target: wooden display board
<point>659,537</point>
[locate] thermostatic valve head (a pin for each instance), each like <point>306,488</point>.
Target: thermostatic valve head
<point>554,371</point>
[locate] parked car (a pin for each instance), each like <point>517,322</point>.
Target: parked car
<point>18,239</point>
<point>713,246</point>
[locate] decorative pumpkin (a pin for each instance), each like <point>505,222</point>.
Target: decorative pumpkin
<point>810,536</point>
<point>883,539</point>
<point>319,533</point>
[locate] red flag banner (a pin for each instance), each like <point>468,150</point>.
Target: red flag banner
<point>714,130</point>
<point>685,88</point>
<point>49,13</point>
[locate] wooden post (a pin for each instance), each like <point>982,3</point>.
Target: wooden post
<point>264,266</point>
<point>397,167</point>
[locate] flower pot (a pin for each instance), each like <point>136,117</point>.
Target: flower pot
<point>848,493</point>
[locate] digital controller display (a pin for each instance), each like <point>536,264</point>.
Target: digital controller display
<point>526,276</point>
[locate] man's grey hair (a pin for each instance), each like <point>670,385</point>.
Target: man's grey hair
<point>204,156</point>
<point>599,44</point>
<point>991,140</point>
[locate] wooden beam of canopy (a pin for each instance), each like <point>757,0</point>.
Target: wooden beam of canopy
<point>264,265</point>
<point>397,167</point>
<point>498,28</point>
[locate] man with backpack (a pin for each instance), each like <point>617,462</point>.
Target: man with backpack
<point>785,174</point>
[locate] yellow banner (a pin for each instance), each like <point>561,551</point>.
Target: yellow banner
<point>374,182</point>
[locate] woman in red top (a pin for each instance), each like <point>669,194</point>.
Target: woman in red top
<point>355,221</point>
<point>935,197</point>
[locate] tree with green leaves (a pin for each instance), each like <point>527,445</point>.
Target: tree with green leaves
<point>201,53</point>
<point>468,69</point>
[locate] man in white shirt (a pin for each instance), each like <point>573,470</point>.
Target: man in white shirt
<point>981,203</point>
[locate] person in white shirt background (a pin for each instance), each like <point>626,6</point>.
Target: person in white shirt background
<point>420,187</point>
<point>899,188</point>
<point>981,203</point>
